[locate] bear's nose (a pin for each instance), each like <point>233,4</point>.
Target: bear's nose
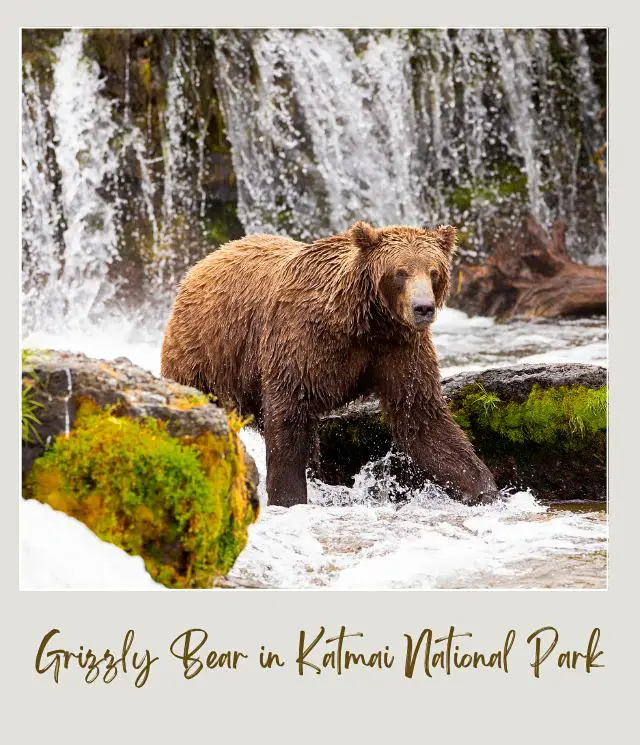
<point>424,310</point>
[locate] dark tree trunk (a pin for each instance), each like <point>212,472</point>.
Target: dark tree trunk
<point>530,274</point>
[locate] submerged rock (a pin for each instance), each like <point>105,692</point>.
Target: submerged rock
<point>149,465</point>
<point>541,427</point>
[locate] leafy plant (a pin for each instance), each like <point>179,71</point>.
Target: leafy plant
<point>30,421</point>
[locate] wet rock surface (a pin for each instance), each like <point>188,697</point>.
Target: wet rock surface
<point>515,383</point>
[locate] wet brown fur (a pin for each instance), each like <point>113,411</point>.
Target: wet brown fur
<point>287,331</point>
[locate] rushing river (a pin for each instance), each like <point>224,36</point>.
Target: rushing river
<point>351,538</point>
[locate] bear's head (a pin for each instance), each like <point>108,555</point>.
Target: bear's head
<point>410,268</point>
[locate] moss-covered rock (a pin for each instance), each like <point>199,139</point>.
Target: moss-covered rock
<point>542,427</point>
<point>537,426</point>
<point>148,465</point>
<point>348,440</point>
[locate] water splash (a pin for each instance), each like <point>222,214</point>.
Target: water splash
<point>67,398</point>
<point>345,539</point>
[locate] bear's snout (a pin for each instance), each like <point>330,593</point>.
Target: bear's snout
<point>423,302</point>
<point>423,312</point>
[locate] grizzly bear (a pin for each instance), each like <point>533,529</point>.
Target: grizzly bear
<point>287,331</point>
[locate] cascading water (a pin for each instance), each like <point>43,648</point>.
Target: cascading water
<point>467,127</point>
<point>70,202</point>
<point>471,127</point>
<point>353,115</point>
<point>40,213</point>
<point>84,128</point>
<point>81,213</point>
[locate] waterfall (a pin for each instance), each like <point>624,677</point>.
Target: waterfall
<point>469,127</point>
<point>325,136</point>
<point>76,198</point>
<point>516,63</point>
<point>125,183</point>
<point>84,128</point>
<point>41,264</point>
<point>183,146</point>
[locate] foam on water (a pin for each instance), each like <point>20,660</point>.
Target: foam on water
<point>429,542</point>
<point>356,538</point>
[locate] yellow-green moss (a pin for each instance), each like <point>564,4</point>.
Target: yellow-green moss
<point>567,416</point>
<point>193,401</point>
<point>181,504</point>
<point>145,73</point>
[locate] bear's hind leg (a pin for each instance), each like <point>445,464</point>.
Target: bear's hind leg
<point>288,441</point>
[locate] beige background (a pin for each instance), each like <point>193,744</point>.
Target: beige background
<point>362,705</point>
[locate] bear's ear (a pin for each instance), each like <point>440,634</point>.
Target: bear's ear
<point>365,237</point>
<point>447,238</point>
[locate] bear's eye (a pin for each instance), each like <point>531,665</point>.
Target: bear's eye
<point>434,275</point>
<point>401,275</point>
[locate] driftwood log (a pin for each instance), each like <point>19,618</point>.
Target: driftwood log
<point>530,274</point>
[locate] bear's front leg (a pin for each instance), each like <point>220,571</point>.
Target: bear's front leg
<point>408,383</point>
<point>442,450</point>
<point>287,439</point>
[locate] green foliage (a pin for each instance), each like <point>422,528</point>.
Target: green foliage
<point>30,419</point>
<point>483,401</point>
<point>568,417</point>
<point>181,504</point>
<point>29,405</point>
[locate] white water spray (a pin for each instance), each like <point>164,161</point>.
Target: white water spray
<point>67,398</point>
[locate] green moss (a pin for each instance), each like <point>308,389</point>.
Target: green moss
<point>508,182</point>
<point>462,419</point>
<point>180,503</point>
<point>145,73</point>
<point>568,417</point>
<point>192,401</point>
<point>221,224</point>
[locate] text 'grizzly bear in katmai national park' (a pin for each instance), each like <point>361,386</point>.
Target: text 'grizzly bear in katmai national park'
<point>287,331</point>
